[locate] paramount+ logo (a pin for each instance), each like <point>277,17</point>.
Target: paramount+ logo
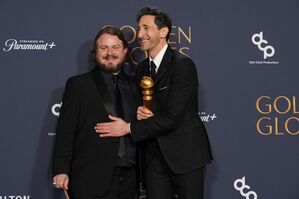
<point>31,45</point>
<point>278,115</point>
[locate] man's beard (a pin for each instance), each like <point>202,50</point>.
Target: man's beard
<point>112,68</point>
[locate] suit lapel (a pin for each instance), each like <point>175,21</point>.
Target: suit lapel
<point>162,68</point>
<point>164,64</point>
<point>142,70</point>
<point>134,89</point>
<point>145,68</point>
<point>103,91</point>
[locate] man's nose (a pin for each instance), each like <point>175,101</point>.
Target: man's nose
<point>109,51</point>
<point>140,33</point>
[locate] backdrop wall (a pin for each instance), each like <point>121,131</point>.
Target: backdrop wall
<point>246,54</point>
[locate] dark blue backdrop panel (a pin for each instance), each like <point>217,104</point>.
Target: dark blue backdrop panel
<point>246,55</point>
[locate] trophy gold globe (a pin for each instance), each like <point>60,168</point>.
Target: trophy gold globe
<point>147,84</point>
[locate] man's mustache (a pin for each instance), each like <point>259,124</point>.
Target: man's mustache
<point>110,57</point>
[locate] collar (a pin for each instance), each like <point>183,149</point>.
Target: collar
<point>159,57</point>
<point>108,76</point>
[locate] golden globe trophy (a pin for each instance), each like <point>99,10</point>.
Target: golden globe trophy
<point>147,85</point>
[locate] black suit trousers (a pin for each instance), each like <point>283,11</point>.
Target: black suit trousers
<point>161,183</point>
<point>122,186</point>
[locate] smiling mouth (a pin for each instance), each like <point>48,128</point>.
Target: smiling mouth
<point>143,40</point>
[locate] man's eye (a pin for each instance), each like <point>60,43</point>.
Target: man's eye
<point>116,47</point>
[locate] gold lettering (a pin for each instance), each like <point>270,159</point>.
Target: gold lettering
<point>181,32</point>
<point>131,30</point>
<point>182,51</point>
<point>269,127</point>
<point>269,107</point>
<point>106,26</point>
<point>276,127</point>
<point>286,125</point>
<point>172,34</point>
<point>134,52</point>
<point>294,105</point>
<point>275,104</point>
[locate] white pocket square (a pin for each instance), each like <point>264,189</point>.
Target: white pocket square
<point>163,88</point>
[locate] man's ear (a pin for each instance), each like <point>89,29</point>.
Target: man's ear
<point>163,32</point>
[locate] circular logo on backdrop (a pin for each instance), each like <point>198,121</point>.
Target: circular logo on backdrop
<point>257,39</point>
<point>267,49</point>
<point>56,109</point>
<point>240,185</point>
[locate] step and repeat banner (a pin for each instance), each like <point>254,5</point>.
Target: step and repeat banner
<point>246,53</point>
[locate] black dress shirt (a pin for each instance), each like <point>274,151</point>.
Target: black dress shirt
<point>129,114</point>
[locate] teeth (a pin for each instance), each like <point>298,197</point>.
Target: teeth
<point>143,40</point>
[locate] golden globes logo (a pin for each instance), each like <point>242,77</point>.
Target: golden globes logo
<point>279,115</point>
<point>180,39</point>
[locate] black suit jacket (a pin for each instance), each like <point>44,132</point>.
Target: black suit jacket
<point>79,151</point>
<point>176,126</point>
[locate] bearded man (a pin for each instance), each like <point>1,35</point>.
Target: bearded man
<point>85,164</point>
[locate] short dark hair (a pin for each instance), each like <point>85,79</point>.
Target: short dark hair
<point>111,30</point>
<point>161,19</point>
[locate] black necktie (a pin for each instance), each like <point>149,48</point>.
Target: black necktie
<point>119,112</point>
<point>153,70</point>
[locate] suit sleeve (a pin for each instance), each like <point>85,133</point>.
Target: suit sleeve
<point>183,92</point>
<point>66,130</point>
